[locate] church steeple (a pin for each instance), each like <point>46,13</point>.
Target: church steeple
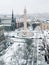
<point>13,22</point>
<point>12,14</point>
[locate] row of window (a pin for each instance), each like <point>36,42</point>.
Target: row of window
<point>44,27</point>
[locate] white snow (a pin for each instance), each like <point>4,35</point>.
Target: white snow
<point>10,51</point>
<point>19,42</point>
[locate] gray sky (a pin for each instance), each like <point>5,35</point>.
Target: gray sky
<point>33,6</point>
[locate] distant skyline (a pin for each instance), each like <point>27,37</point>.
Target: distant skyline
<point>32,6</point>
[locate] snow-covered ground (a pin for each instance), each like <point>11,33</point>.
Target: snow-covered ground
<point>14,54</point>
<point>11,51</point>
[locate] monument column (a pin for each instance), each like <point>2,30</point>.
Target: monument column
<point>25,21</point>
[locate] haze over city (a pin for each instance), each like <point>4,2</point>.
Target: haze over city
<point>33,6</point>
<point>24,32</point>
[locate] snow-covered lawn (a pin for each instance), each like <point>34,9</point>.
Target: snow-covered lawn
<point>15,50</point>
<point>14,54</point>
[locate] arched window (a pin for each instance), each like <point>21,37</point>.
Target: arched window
<point>47,27</point>
<point>44,27</point>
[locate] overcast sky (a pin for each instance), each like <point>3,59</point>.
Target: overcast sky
<point>32,6</point>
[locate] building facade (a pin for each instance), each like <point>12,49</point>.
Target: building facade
<point>44,26</point>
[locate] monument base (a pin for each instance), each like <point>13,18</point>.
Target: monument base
<point>27,33</point>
